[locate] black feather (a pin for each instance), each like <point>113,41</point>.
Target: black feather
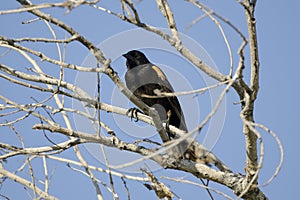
<point>144,78</point>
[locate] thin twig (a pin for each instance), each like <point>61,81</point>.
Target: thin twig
<point>111,181</point>
<point>97,180</point>
<point>27,160</point>
<point>46,40</point>
<point>27,184</point>
<point>208,13</point>
<point>197,184</point>
<point>34,7</point>
<point>272,133</point>
<point>89,173</point>
<point>126,187</point>
<point>98,131</point>
<point>39,150</point>
<point>4,43</point>
<point>171,94</point>
<point>115,173</point>
<point>46,174</point>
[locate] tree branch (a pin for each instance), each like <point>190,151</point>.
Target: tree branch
<point>229,179</point>
<point>247,111</point>
<point>27,184</point>
<point>39,150</point>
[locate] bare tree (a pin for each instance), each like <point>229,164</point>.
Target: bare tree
<point>47,109</point>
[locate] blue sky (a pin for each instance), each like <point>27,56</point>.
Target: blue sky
<point>276,107</point>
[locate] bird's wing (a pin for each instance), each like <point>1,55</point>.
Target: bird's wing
<point>144,75</point>
<point>167,88</point>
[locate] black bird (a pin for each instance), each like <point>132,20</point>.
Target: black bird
<point>145,80</point>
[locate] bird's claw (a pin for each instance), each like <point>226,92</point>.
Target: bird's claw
<point>133,113</point>
<point>167,125</point>
<point>168,122</point>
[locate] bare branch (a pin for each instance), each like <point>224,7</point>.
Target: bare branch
<point>207,12</point>
<point>96,180</point>
<point>249,98</point>
<point>65,160</point>
<point>46,174</point>
<point>89,172</point>
<point>5,42</point>
<point>26,183</point>
<point>160,189</point>
<point>39,150</point>
<point>160,94</point>
<point>126,187</point>
<point>165,9</point>
<point>197,184</point>
<point>46,40</point>
<point>251,22</point>
<point>249,183</point>
<point>112,141</point>
<point>35,7</point>
<point>280,149</point>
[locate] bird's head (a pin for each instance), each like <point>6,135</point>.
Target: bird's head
<point>135,58</point>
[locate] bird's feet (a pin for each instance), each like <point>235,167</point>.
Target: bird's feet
<point>168,123</point>
<point>132,112</point>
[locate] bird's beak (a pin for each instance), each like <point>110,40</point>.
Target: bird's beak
<point>125,55</point>
<point>128,56</point>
